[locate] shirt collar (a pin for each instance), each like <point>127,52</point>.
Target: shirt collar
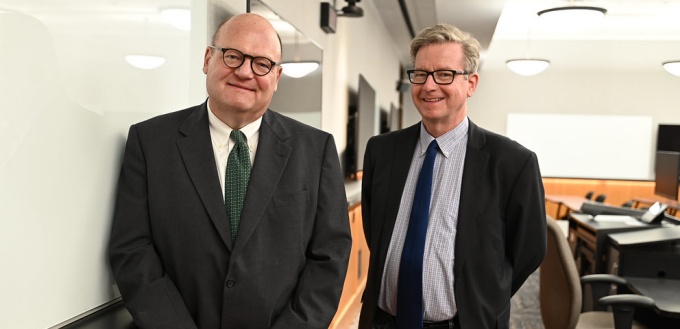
<point>447,141</point>
<point>223,130</point>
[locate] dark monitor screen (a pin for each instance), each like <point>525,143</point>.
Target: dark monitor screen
<point>668,138</point>
<point>367,120</point>
<point>667,172</point>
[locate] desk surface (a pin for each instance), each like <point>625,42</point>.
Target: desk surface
<point>664,292</point>
<point>572,202</point>
<point>673,206</point>
<point>608,226</point>
<point>651,236</point>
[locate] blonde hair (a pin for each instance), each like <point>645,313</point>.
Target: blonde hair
<point>443,33</point>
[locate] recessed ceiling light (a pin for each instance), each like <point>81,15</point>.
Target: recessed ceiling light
<point>145,62</point>
<point>299,69</point>
<point>672,67</point>
<point>528,66</point>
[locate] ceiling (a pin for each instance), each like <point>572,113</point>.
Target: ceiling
<point>633,36</point>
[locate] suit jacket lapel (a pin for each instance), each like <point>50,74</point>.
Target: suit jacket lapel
<point>401,156</point>
<point>199,159</point>
<point>475,165</point>
<point>270,163</point>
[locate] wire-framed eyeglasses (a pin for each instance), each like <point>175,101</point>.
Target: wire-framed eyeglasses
<point>441,77</point>
<point>234,58</point>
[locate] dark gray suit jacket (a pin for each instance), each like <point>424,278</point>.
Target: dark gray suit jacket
<point>501,233</point>
<point>171,251</point>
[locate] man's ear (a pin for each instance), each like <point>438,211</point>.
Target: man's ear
<point>206,59</point>
<point>473,79</point>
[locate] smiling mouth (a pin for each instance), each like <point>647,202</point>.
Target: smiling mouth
<point>240,87</point>
<point>432,99</point>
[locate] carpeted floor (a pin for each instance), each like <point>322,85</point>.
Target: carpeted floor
<point>525,311</point>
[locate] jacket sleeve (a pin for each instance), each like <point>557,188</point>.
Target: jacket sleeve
<point>320,284</point>
<point>148,293</point>
<point>526,238</point>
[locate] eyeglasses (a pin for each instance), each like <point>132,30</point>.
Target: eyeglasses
<point>441,77</point>
<point>234,59</point>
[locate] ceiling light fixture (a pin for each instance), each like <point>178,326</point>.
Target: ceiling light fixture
<point>573,14</point>
<point>527,66</point>
<point>145,62</point>
<point>177,17</point>
<point>672,67</point>
<point>297,68</point>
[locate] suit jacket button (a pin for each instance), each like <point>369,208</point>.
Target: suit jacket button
<point>230,283</point>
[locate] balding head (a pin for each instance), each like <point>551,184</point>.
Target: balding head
<point>247,22</point>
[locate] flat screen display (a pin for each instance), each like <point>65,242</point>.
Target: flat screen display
<point>666,172</point>
<point>367,119</point>
<point>668,138</point>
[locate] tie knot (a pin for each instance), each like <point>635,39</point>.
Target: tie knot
<point>433,147</point>
<point>238,137</point>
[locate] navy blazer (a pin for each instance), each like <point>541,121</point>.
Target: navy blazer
<point>501,232</point>
<point>171,250</point>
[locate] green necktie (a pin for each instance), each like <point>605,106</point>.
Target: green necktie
<point>238,173</point>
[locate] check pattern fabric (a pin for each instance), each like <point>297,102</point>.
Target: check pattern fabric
<point>438,261</point>
<point>236,183</point>
<point>410,286</point>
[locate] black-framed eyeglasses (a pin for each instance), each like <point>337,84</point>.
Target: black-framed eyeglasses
<point>234,58</point>
<point>441,77</point>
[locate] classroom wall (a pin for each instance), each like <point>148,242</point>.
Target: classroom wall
<point>359,46</point>
<point>66,102</point>
<point>57,176</point>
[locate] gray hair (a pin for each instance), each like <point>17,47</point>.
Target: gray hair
<point>443,33</point>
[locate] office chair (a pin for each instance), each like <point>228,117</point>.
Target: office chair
<point>561,292</point>
<point>628,204</point>
<point>600,198</point>
<point>589,195</point>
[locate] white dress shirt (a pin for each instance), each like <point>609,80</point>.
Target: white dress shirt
<point>222,144</point>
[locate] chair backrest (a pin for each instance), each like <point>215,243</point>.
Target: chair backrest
<point>560,285</point>
<point>600,198</point>
<point>589,195</point>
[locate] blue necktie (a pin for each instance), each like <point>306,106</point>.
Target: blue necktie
<point>410,284</point>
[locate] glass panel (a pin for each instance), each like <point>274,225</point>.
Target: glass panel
<point>298,98</point>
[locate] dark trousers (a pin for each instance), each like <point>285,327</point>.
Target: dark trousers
<point>383,320</point>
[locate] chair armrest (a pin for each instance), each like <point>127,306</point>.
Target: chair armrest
<point>627,300</point>
<point>623,308</point>
<point>596,286</point>
<point>603,278</point>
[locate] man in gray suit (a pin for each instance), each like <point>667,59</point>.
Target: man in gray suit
<point>180,256</point>
<point>481,222</point>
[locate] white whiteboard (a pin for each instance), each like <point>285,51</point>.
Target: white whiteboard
<point>587,146</point>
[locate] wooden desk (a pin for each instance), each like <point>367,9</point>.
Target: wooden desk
<point>569,202</point>
<point>589,238</point>
<point>673,206</point>
<point>663,291</point>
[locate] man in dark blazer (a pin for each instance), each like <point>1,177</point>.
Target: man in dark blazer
<point>486,225</point>
<point>171,249</point>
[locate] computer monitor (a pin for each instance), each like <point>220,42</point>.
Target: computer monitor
<point>667,174</point>
<point>668,138</point>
